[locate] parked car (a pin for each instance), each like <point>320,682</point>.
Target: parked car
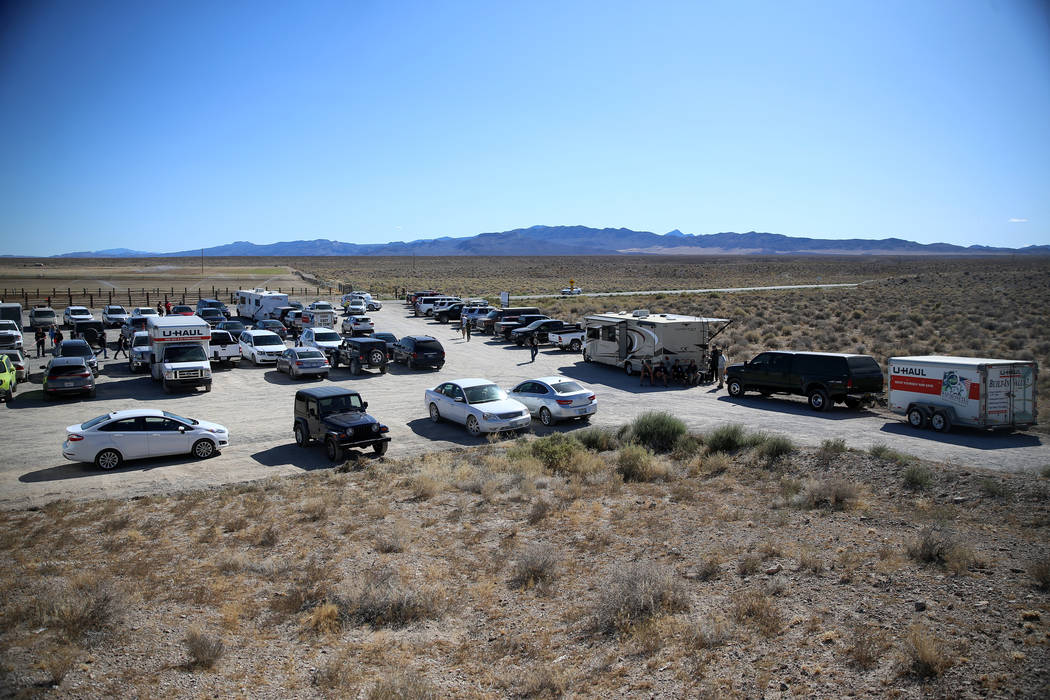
<point>75,313</point>
<point>224,347</point>
<point>419,351</point>
<point>8,378</point>
<point>337,417</point>
<point>300,362</point>
<point>144,311</point>
<point>92,332</point>
<point>452,312</point>
<point>260,346</point>
<point>203,304</point>
<point>182,310</point>
<point>21,364</point>
<point>213,316</point>
<point>324,339</point>
<point>362,353</point>
<point>355,307</point>
<point>110,439</point>
<point>272,325</point>
<point>571,291</point>
<point>115,315</point>
<point>139,352</point>
<point>486,323</point>
<point>478,404</point>
<point>568,338</point>
<point>10,334</point>
<point>77,348</point>
<point>68,375</point>
<point>42,317</point>
<point>470,314</point>
<point>389,338</point>
<point>133,325</point>
<point>507,326</point>
<point>235,328</point>
<point>824,378</point>
<point>540,329</point>
<point>556,398</point>
<point>357,325</point>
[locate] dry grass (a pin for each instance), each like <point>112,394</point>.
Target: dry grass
<point>204,650</point>
<point>535,566</point>
<point>926,656</point>
<point>638,463</point>
<point>637,593</point>
<point>754,607</point>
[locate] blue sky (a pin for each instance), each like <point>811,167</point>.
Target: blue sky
<point>175,125</point>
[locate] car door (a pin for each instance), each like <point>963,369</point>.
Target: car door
<point>313,420</point>
<point>164,436</point>
<point>127,436</point>
<point>756,372</point>
<point>457,403</point>
<point>779,378</point>
<point>526,393</point>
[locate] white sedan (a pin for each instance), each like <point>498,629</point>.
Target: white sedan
<point>111,438</point>
<point>478,404</point>
<point>556,398</point>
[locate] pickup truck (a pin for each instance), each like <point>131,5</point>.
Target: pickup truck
<point>567,339</point>
<point>507,325</point>
<point>224,348</point>
<point>541,330</point>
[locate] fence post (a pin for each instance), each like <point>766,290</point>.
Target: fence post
<point>91,301</point>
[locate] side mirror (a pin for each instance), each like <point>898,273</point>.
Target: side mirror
<point>364,405</point>
<point>182,428</point>
<point>459,399</point>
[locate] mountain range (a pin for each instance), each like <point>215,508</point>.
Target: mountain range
<point>583,240</point>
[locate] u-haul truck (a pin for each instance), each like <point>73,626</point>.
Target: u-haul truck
<point>179,351</point>
<point>939,391</point>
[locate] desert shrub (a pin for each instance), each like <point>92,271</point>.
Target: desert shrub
<point>425,487</point>
<point>635,594</point>
<point>836,494</point>
<point>775,447</point>
<point>556,450</point>
<point>324,618</point>
<point>597,439</point>
<point>267,537</point>
<point>917,477</point>
<point>994,488</point>
<point>687,446</point>
<point>534,566</point>
<point>726,438</point>
<point>867,644</point>
<point>403,686</point>
<point>709,633</point>
<point>709,568</point>
<point>638,463</point>
<point>832,447</point>
<point>203,649</point>
<point>755,607</point>
<point>935,546</point>
<point>539,511</point>
<point>1040,572</point>
<point>383,600</point>
<point>748,564</point>
<point>81,610</point>
<point>715,463</point>
<point>925,655</point>
<point>391,540</point>
<point>657,430</point>
<point>881,450</point>
<point>1046,472</point>
<point>541,682</point>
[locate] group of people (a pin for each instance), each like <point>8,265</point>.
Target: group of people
<point>690,374</point>
<point>56,336</point>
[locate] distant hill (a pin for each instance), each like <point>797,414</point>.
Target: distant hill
<point>583,240</point>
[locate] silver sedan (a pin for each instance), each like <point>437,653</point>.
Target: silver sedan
<point>556,398</point>
<point>302,362</point>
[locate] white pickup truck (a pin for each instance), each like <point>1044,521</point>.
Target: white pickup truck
<point>224,348</point>
<point>567,340</point>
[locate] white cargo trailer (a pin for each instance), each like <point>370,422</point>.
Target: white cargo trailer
<point>940,391</point>
<point>259,303</point>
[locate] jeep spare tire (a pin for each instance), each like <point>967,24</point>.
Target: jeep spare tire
<point>376,357</point>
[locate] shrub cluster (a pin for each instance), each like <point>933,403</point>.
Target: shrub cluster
<point>635,594</point>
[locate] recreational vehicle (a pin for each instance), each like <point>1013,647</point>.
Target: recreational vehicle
<point>627,338</point>
<point>259,303</point>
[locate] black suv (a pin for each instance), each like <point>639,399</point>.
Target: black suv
<point>541,330</point>
<point>361,353</point>
<point>337,417</point>
<point>92,332</point>
<point>487,323</point>
<point>419,351</point>
<point>824,378</point>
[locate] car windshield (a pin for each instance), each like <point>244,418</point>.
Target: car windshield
<point>221,338</point>
<point>340,404</point>
<point>484,393</point>
<point>322,306</point>
<point>76,350</point>
<point>115,310</point>
<point>362,319</point>
<point>326,336</point>
<point>492,314</point>
<point>140,341</point>
<point>309,355</point>
<point>44,314</point>
<point>210,304</point>
<point>267,340</point>
<point>566,387</point>
<point>388,337</point>
<point>8,326</point>
<point>235,326</point>
<point>147,312</point>
<point>79,310</point>
<point>208,312</point>
<point>175,416</point>
<point>94,421</point>
<point>185,353</point>
<point>181,309</point>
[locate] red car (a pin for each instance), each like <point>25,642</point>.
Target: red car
<point>182,310</point>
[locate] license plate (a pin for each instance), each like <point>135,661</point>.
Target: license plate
<point>585,409</point>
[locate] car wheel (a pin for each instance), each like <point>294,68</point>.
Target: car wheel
<point>628,369</point>
<point>545,416</point>
<point>435,415</point>
<point>376,357</point>
<point>301,438</point>
<point>519,342</point>
<point>940,422</point>
<point>91,393</point>
<point>735,387</point>
<point>108,459</point>
<point>916,418</point>
<point>575,346</point>
<point>473,427</point>
<point>203,449</point>
<point>355,367</point>
<point>379,448</point>
<point>167,388</point>
<point>332,449</point>
<point>818,400</point>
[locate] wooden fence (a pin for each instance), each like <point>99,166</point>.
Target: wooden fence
<point>98,297</point>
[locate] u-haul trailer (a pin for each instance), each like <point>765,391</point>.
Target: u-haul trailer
<point>627,338</point>
<point>940,391</point>
<point>260,303</point>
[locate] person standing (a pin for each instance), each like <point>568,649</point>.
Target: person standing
<point>534,347</point>
<point>160,309</point>
<point>713,364</point>
<point>167,308</point>
<point>722,362</point>
<point>57,339</point>
<point>647,372</point>
<point>122,346</point>
<point>467,326</point>
<point>41,338</point>
<point>462,329</point>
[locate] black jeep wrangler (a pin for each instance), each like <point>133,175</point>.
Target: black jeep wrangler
<point>824,378</point>
<point>93,332</point>
<point>361,353</point>
<point>336,416</point>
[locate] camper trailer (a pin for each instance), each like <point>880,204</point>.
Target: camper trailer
<point>259,303</point>
<point>627,338</point>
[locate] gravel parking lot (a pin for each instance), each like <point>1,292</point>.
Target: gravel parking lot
<point>255,403</point>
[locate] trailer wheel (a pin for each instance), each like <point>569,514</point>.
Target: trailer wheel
<point>916,419</point>
<point>941,422</point>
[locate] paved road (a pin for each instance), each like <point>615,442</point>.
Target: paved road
<point>688,291</point>
<point>256,404</point>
